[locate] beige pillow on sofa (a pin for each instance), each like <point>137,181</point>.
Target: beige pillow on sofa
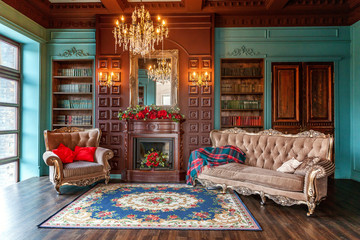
<point>307,163</point>
<point>289,166</point>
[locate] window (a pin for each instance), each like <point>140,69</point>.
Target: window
<point>9,110</point>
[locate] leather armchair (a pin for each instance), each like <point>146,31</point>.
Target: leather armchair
<point>78,173</point>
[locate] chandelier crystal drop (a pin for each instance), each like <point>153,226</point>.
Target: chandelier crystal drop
<point>161,72</point>
<point>141,35</point>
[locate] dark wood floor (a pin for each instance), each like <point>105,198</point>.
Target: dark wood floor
<point>26,204</point>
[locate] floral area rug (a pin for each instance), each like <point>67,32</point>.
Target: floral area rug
<point>154,206</point>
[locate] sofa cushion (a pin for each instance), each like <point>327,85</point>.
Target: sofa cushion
<point>84,153</point>
<point>307,163</point>
<point>255,175</point>
<point>80,168</point>
<point>65,154</point>
<point>289,166</point>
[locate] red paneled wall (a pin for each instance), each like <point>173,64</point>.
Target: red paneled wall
<point>193,36</point>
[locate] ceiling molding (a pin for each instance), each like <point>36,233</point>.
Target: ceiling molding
<point>279,21</point>
<point>229,13</point>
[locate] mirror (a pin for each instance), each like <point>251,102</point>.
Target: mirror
<point>144,91</point>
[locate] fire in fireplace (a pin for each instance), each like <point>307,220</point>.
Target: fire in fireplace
<point>143,145</point>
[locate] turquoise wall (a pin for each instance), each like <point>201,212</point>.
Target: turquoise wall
<point>30,35</point>
<point>58,42</point>
<point>149,87</point>
<point>355,98</point>
<point>295,44</point>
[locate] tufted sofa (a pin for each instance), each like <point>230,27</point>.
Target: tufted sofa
<point>265,152</point>
<point>79,173</point>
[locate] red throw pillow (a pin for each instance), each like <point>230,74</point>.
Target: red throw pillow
<point>85,153</point>
<point>64,153</point>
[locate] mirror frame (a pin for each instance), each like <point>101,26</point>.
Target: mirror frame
<point>134,72</point>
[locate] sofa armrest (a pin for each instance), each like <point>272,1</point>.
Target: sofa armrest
<point>323,168</point>
<point>102,155</point>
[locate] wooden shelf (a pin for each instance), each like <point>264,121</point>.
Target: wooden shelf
<point>71,125</point>
<point>73,77</point>
<point>61,87</point>
<point>247,126</point>
<point>240,77</point>
<point>73,93</point>
<point>243,93</point>
<point>251,109</point>
<point>72,109</point>
<point>237,90</point>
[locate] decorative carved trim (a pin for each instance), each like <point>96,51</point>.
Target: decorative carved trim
<point>279,199</point>
<point>272,132</point>
<point>243,51</point>
<point>76,6</point>
<point>281,20</point>
<point>85,182</point>
<point>172,54</point>
<point>75,52</point>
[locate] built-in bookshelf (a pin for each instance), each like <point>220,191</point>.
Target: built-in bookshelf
<point>242,94</point>
<point>72,93</point>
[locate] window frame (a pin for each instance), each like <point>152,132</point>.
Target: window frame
<point>14,75</point>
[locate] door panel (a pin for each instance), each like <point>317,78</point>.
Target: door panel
<point>286,96</point>
<point>319,93</point>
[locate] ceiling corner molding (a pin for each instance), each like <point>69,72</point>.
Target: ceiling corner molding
<point>74,52</point>
<point>243,51</point>
<point>77,23</point>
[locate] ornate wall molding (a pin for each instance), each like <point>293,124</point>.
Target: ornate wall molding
<point>74,52</point>
<point>243,51</point>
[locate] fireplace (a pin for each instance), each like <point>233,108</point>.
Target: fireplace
<point>163,135</point>
<point>143,145</point>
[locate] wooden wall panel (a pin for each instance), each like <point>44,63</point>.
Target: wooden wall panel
<point>319,91</point>
<point>286,94</point>
<point>193,36</point>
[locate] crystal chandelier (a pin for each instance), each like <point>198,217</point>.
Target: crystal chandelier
<point>160,73</point>
<point>141,35</point>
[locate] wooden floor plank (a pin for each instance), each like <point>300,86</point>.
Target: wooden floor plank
<point>25,205</point>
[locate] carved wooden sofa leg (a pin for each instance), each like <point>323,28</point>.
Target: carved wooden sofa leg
<point>57,188</point>
<point>311,207</point>
<point>263,198</point>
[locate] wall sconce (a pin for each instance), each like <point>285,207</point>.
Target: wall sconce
<point>107,80</point>
<point>200,79</point>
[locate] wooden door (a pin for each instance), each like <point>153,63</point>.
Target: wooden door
<point>286,104</point>
<point>319,99</point>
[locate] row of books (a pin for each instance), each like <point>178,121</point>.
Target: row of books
<point>240,104</point>
<point>241,88</point>
<point>80,87</point>
<point>75,72</point>
<point>74,119</point>
<point>74,103</point>
<point>241,121</point>
<point>242,72</point>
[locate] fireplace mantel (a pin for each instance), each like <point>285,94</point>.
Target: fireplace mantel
<point>157,128</point>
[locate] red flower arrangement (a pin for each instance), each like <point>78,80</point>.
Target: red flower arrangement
<point>154,159</point>
<point>150,112</point>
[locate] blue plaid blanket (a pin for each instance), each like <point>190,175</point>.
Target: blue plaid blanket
<point>210,156</point>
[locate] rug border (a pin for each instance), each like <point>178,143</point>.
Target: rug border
<point>133,228</point>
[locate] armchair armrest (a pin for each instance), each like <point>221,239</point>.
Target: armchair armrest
<point>51,159</point>
<point>102,155</point>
